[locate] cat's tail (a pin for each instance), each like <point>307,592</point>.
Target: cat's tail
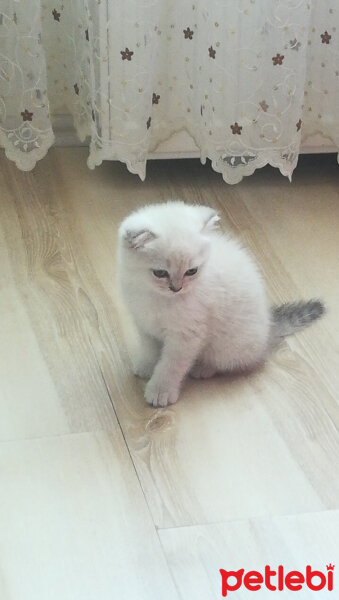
<point>291,317</point>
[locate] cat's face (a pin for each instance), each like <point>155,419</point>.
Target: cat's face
<point>173,268</point>
<point>167,248</point>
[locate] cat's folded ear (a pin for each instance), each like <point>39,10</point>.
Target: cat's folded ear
<point>137,239</point>
<point>210,218</point>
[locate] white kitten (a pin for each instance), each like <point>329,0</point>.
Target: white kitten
<point>197,298</point>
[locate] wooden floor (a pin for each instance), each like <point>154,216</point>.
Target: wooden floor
<point>102,496</point>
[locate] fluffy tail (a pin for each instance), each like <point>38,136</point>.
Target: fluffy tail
<point>291,317</point>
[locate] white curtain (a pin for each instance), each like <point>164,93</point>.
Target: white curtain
<point>248,79</point>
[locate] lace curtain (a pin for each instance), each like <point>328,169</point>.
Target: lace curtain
<point>248,80</point>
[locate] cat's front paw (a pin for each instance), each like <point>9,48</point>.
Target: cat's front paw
<point>158,395</point>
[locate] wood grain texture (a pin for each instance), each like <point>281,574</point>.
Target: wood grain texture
<point>265,444</point>
<point>52,383</point>
<point>195,554</point>
<point>74,523</point>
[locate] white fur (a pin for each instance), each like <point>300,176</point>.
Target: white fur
<point>219,321</point>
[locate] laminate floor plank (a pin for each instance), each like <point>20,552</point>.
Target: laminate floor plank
<point>195,554</point>
<point>74,524</point>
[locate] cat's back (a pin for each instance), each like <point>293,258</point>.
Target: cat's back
<point>233,278</point>
<point>229,256</point>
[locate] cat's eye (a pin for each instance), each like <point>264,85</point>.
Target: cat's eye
<point>160,273</point>
<point>191,272</point>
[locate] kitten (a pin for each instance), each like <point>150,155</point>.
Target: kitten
<point>197,298</point>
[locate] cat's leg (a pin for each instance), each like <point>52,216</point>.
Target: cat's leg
<point>147,356</point>
<point>205,366</point>
<point>177,357</point>
<point>201,370</point>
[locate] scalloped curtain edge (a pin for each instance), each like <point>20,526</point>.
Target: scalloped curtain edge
<point>137,166</point>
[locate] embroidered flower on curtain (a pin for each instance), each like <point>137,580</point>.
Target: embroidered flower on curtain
<point>188,33</point>
<point>26,115</point>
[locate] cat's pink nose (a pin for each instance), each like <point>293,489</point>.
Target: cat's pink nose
<point>173,289</point>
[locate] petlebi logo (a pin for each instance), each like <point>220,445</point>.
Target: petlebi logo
<point>277,579</point>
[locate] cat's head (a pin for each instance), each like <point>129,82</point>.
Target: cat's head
<point>166,246</point>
